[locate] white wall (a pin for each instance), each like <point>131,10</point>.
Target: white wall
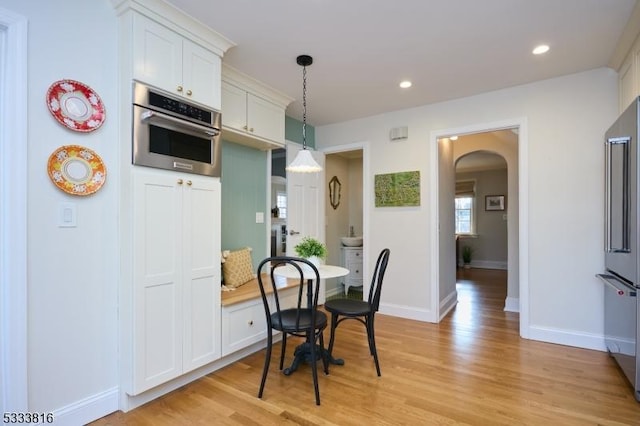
<point>566,118</point>
<point>72,272</point>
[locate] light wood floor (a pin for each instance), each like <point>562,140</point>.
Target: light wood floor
<point>472,369</point>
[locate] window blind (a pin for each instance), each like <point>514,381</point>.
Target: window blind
<point>465,188</point>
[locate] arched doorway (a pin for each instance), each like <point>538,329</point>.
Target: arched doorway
<point>442,211</point>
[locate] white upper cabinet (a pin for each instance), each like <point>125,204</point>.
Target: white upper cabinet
<point>252,113</point>
<point>167,60</point>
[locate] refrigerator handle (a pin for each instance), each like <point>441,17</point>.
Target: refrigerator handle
<point>623,143</point>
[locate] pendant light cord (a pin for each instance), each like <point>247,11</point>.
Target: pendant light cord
<point>304,107</point>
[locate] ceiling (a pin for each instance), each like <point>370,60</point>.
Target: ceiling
<point>449,49</point>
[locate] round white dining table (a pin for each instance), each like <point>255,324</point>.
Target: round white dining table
<point>325,271</point>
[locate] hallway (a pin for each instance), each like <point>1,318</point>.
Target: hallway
<point>481,296</point>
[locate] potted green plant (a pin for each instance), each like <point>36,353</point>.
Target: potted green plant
<point>311,249</point>
<point>467,252</point>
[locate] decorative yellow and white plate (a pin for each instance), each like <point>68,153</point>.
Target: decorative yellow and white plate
<point>76,170</point>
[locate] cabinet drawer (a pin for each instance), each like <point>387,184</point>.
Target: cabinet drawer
<point>242,325</point>
<point>353,256</point>
<point>355,272</point>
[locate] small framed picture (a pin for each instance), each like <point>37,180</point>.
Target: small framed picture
<point>494,202</point>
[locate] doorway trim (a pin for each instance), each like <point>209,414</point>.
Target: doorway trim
<point>13,224</point>
<point>364,146</point>
<point>523,209</point>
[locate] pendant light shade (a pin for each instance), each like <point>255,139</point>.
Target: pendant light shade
<point>304,162</point>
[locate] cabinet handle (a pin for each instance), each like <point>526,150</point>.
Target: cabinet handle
<point>357,271</point>
<point>251,129</point>
<point>189,93</point>
<point>180,181</point>
<point>244,127</point>
<point>189,183</point>
<point>179,88</point>
<point>250,322</point>
<point>357,254</point>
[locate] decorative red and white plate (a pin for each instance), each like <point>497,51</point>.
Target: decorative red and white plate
<point>75,105</point>
<point>76,170</point>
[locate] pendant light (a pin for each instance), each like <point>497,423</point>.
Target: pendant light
<point>304,162</point>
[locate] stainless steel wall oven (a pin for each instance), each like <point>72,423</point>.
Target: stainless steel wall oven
<point>171,133</point>
<point>622,248</point>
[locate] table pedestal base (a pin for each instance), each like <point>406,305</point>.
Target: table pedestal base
<point>303,353</point>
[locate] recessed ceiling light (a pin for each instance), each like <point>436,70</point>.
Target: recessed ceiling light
<point>453,138</point>
<point>405,84</point>
<point>539,50</point>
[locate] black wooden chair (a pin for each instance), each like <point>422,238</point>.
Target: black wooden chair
<point>301,320</point>
<point>361,310</point>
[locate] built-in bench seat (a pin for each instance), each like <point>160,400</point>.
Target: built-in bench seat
<point>251,290</point>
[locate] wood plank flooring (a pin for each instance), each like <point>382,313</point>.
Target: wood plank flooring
<point>471,369</point>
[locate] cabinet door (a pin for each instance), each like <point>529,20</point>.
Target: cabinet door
<point>157,293</point>
<point>201,261</point>
<point>201,75</point>
<point>234,107</point>
<point>265,119</point>
<point>157,54</point>
<point>243,325</point>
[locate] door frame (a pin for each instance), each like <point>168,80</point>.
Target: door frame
<point>523,210</point>
<point>366,200</point>
<point>13,226</point>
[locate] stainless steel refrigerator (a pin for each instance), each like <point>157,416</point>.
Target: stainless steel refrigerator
<point>622,245</point>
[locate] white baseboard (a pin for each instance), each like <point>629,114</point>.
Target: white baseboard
<point>568,338</point>
<point>88,409</point>
<point>487,264</point>
<point>334,291</point>
<point>448,303</point>
<point>408,312</point>
<point>512,304</point>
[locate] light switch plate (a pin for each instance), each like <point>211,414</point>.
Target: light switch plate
<point>259,217</point>
<point>67,217</point>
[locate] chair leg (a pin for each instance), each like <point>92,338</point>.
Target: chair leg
<point>334,324</point>
<point>284,348</point>
<point>267,360</point>
<point>324,354</point>
<point>372,341</point>
<point>311,338</point>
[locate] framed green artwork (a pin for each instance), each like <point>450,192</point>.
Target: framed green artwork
<point>398,189</point>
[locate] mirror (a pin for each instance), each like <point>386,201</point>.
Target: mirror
<point>334,192</point>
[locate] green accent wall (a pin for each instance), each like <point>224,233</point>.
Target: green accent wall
<point>244,192</point>
<point>244,174</point>
<point>293,132</point>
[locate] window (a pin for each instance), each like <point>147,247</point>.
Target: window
<point>464,215</point>
<point>465,204</point>
<point>281,203</point>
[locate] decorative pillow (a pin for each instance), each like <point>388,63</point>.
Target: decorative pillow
<point>237,268</point>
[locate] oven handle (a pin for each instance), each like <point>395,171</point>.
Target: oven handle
<point>616,285</point>
<point>148,115</point>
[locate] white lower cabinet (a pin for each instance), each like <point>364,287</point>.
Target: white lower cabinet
<point>176,276</point>
<point>352,260</point>
<point>245,323</point>
<point>242,325</point>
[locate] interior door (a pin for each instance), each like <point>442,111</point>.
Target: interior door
<point>305,204</point>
